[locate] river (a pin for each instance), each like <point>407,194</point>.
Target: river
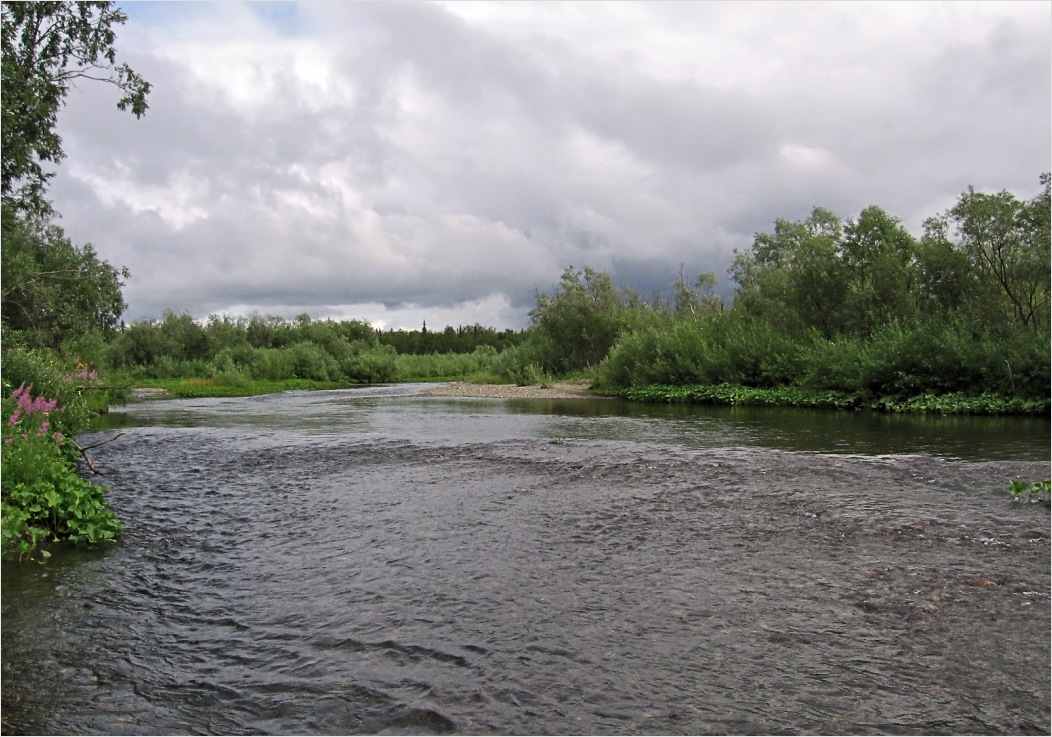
<point>379,561</point>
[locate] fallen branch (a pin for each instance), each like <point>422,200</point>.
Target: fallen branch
<point>83,449</point>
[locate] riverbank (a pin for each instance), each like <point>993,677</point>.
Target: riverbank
<point>728,395</point>
<point>744,396</point>
<point>193,388</point>
<point>197,388</point>
<point>718,395</point>
<point>556,390</point>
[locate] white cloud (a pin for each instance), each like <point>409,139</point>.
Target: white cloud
<point>444,159</point>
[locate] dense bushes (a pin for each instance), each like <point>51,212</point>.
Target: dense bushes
<point>575,328</point>
<point>863,308</point>
<point>444,366</point>
<point>900,360</point>
<point>728,348</point>
<point>273,349</point>
<point>43,498</point>
<point>675,353</point>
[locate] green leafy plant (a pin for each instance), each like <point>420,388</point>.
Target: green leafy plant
<point>736,395</point>
<point>1032,493</point>
<point>42,496</point>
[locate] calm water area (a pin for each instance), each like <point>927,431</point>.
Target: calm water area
<point>380,561</point>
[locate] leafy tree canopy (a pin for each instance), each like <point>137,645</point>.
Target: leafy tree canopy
<point>47,47</point>
<point>987,259</point>
<point>577,325</point>
<point>53,290</point>
<point>1008,242</point>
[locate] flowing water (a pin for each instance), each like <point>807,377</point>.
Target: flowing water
<point>376,560</point>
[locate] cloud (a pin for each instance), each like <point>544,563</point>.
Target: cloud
<point>431,160</point>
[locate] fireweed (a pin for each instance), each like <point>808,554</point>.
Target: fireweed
<point>82,374</point>
<point>43,497</point>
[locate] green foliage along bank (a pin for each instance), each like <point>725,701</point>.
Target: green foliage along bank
<point>831,312</point>
<point>232,350</point>
<point>735,395</point>
<point>44,499</point>
<point>56,298</point>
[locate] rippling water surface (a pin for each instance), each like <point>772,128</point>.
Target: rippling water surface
<point>378,561</point>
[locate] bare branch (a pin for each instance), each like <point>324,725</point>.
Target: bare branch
<point>96,445</point>
<point>83,450</point>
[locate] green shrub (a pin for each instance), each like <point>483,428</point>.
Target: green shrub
<point>370,364</point>
<point>275,364</point>
<point>89,349</point>
<point>757,353</point>
<point>522,365</point>
<point>713,350</point>
<point>242,358</point>
<point>42,495</point>
<point>232,378</point>
<point>1027,361</point>
<point>676,353</point>
<point>310,361</point>
<point>446,366</point>
<point>45,375</point>
<point>835,363</point>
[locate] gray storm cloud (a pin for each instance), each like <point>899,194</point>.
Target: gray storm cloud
<point>391,161</point>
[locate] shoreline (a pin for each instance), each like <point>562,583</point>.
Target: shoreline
<point>556,390</point>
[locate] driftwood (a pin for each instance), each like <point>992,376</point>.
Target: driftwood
<point>83,449</point>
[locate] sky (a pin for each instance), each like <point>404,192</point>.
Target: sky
<point>446,161</point>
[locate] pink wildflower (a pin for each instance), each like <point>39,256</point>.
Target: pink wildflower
<point>25,401</point>
<point>28,405</point>
<point>9,441</point>
<point>83,372</point>
<point>44,405</point>
<point>14,417</point>
<point>21,396</point>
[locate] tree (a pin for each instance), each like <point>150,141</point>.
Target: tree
<point>794,277</point>
<point>577,325</point>
<point>879,255</point>
<point>48,47</point>
<point>1007,241</point>
<point>53,290</point>
<point>689,302</point>
<point>947,280</point>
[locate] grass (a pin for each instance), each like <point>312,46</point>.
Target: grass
<point>218,387</point>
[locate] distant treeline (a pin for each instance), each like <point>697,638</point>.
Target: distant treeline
<point>857,307</point>
<point>463,339</point>
<point>274,348</point>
